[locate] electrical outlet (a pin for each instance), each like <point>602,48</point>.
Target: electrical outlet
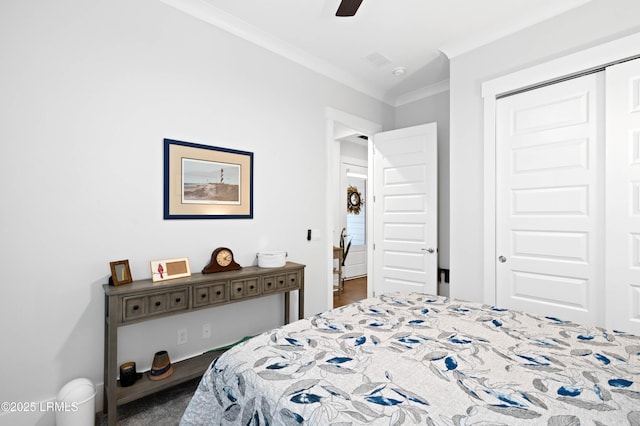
<point>206,330</point>
<point>182,336</point>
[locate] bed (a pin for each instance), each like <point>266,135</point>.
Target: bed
<point>420,359</point>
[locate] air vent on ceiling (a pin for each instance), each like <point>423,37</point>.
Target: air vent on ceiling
<point>377,59</point>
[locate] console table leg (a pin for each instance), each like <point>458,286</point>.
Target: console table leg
<point>110,403</point>
<point>301,298</point>
<point>286,307</point>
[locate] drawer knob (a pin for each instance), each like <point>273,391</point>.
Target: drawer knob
<point>158,303</point>
<point>281,281</point>
<point>136,307</point>
<point>269,284</point>
<point>178,300</point>
<point>252,287</point>
<point>218,293</point>
<point>203,295</point>
<point>239,289</point>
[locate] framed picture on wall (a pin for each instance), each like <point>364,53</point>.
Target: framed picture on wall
<point>207,182</point>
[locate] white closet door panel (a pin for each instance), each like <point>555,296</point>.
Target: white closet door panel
<point>623,197</point>
<point>549,201</point>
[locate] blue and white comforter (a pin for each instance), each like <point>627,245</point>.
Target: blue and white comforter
<point>420,359</point>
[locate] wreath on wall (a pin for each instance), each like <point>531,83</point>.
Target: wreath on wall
<point>354,200</point>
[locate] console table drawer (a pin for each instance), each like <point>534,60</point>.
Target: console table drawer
<point>293,280</point>
<point>245,288</point>
<point>179,299</point>
<point>133,307</point>
<point>287,281</point>
<point>269,284</point>
<point>136,307</point>
<point>210,294</point>
<point>280,282</point>
<point>157,303</point>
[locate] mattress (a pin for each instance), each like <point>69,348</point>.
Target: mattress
<point>420,359</point>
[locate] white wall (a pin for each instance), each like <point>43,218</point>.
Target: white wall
<point>352,150</point>
<point>596,22</point>
<point>431,109</point>
<point>89,91</point>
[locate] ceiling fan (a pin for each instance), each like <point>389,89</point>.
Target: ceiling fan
<point>348,7</point>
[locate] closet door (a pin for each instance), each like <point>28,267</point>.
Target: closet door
<point>549,196</point>
<point>623,197</point>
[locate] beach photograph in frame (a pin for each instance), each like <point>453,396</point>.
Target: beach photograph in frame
<point>207,182</point>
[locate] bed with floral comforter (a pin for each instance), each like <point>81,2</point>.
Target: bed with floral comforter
<point>420,359</point>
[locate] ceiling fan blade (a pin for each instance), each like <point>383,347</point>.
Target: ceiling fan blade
<point>348,7</point>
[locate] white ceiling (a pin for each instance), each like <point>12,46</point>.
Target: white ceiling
<point>362,51</point>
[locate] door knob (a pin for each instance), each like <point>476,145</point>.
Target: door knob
<point>430,250</point>
<point>502,259</point>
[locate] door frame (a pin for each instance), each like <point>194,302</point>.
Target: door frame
<point>332,160</point>
<point>571,65</point>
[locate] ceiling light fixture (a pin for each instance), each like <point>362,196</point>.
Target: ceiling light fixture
<point>399,71</point>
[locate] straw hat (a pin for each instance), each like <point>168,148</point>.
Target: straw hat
<point>161,367</point>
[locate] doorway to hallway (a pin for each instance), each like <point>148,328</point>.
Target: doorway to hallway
<point>351,206</point>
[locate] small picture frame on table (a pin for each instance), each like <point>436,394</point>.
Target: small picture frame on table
<point>168,269</point>
<point>120,272</point>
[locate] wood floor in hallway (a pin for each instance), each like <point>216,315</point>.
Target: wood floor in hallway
<point>354,289</point>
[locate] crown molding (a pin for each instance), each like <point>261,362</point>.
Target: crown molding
<point>425,92</point>
<point>470,43</point>
<point>206,12</point>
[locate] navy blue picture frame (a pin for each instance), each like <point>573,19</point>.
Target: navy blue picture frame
<point>177,153</point>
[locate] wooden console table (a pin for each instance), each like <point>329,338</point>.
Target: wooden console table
<point>144,301</point>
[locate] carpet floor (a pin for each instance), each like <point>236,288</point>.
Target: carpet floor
<point>164,408</point>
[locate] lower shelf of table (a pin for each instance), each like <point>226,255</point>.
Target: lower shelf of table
<point>182,371</point>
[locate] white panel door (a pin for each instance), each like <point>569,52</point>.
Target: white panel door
<point>549,201</point>
<point>405,183</point>
<point>623,197</point>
